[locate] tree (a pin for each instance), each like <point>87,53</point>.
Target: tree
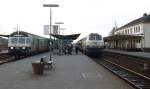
<point>112,32</point>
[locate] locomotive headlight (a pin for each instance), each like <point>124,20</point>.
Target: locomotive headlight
<point>11,47</point>
<point>23,47</point>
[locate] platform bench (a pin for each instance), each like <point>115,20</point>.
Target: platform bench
<point>46,62</point>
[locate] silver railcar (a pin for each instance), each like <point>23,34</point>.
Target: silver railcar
<point>91,44</point>
<point>21,43</point>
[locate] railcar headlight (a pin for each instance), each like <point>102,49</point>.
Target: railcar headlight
<point>11,47</point>
<point>23,47</point>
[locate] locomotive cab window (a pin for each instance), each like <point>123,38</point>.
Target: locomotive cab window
<point>98,38</point>
<point>28,40</point>
<point>92,38</point>
<point>13,40</point>
<point>21,40</point>
<point>95,37</point>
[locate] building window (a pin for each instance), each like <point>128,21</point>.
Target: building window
<point>136,29</point>
<point>125,31</point>
<point>121,32</point>
<point>131,30</point>
<point>139,29</point>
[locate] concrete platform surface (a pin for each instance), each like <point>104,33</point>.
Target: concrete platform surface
<point>68,72</point>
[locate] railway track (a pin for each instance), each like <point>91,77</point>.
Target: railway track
<point>136,80</point>
<point>136,64</point>
<point>4,58</point>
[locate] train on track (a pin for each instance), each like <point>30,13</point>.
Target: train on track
<point>92,44</point>
<point>22,43</point>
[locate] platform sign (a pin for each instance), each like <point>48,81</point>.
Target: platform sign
<point>55,29</point>
<point>46,29</point>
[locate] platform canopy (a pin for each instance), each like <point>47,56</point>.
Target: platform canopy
<point>69,37</point>
<point>4,35</point>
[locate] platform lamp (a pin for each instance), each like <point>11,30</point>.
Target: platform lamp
<point>63,33</point>
<point>50,6</point>
<point>59,35</point>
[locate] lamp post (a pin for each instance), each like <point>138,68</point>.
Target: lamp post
<point>63,34</point>
<point>59,36</point>
<point>50,6</point>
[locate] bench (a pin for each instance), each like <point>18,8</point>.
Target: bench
<point>46,62</point>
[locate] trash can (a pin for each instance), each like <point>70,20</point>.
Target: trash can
<point>38,68</point>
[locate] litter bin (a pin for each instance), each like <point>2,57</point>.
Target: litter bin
<point>38,68</point>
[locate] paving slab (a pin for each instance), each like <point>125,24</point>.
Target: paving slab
<point>68,72</point>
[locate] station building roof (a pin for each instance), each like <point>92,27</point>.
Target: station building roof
<point>69,37</point>
<point>122,37</point>
<point>144,19</point>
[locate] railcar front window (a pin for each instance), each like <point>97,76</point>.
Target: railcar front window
<point>98,38</point>
<point>27,40</point>
<point>21,40</point>
<point>14,40</point>
<point>92,38</point>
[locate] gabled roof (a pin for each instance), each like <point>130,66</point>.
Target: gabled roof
<point>143,19</point>
<point>69,37</point>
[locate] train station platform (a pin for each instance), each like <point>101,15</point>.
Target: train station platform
<point>136,54</point>
<point>68,72</point>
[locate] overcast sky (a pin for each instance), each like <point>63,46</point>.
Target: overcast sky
<point>79,16</point>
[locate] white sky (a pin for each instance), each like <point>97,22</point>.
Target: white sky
<point>79,16</point>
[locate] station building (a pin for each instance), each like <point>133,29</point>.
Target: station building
<point>3,43</point>
<point>135,35</point>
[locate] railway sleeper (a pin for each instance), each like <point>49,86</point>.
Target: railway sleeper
<point>141,85</point>
<point>124,75</point>
<point>138,85</point>
<point>141,82</point>
<point>144,86</point>
<point>120,72</point>
<point>131,78</point>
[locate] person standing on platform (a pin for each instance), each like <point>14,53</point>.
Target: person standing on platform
<point>76,49</point>
<point>70,47</point>
<point>65,49</point>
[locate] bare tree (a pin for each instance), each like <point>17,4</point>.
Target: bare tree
<point>112,32</point>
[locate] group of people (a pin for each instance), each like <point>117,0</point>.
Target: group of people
<point>68,49</point>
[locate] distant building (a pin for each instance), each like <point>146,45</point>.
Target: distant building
<point>3,43</point>
<point>135,35</point>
